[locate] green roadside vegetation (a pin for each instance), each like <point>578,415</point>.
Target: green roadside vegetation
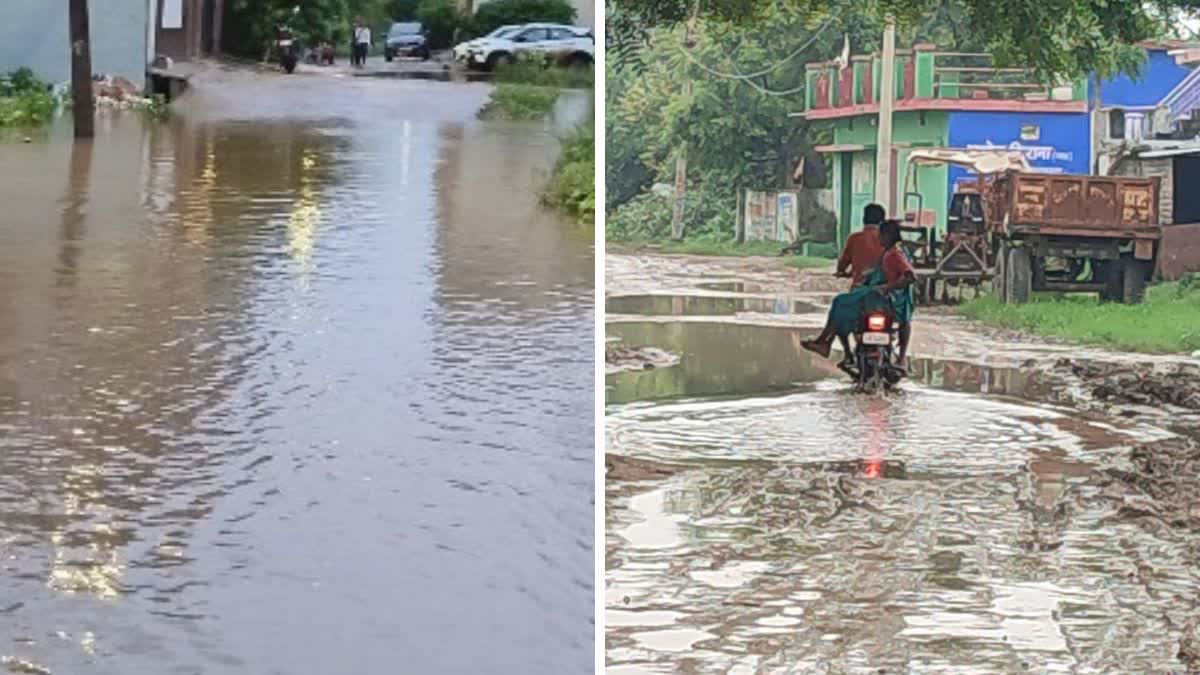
<point>519,102</point>
<point>25,100</point>
<point>558,77</point>
<point>572,186</point>
<point>1167,322</point>
<point>529,91</point>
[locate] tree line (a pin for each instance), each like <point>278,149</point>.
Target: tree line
<point>250,24</point>
<point>720,79</point>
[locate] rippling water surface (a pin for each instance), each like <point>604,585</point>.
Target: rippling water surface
<point>298,382</point>
<point>808,529</point>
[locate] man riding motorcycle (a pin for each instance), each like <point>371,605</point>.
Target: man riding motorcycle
<point>863,248</point>
<point>887,287</point>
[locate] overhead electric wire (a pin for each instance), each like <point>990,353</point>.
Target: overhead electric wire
<point>748,77</point>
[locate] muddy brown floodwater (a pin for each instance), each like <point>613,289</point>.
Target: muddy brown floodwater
<point>763,518</point>
<point>300,381</point>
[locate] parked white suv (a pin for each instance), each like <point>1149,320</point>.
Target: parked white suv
<point>460,50</point>
<point>567,44</point>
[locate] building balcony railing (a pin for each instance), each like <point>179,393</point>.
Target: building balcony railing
<point>922,73</point>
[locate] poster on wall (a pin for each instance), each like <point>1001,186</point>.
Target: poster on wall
<point>760,216</point>
<point>771,216</point>
<point>172,14</point>
<point>786,219</point>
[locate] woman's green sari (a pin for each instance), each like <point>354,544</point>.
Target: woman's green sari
<point>848,309</point>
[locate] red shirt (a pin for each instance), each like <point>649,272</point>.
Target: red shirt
<point>861,252</point>
<point>895,265</point>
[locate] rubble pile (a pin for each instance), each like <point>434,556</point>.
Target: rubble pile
<point>619,359</point>
<point>1105,384</point>
<point>117,92</point>
<point>1161,484</point>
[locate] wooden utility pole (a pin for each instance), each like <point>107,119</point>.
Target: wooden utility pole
<point>81,70</point>
<point>680,182</point>
<point>887,91</point>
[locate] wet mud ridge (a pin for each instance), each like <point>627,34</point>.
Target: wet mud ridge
<point>619,358</point>
<point>998,515</point>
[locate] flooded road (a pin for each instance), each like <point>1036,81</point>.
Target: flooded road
<point>300,381</point>
<point>792,526</point>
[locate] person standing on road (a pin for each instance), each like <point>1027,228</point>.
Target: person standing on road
<point>362,42</point>
<point>863,248</point>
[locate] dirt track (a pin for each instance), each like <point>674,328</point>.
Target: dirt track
<point>1021,506</point>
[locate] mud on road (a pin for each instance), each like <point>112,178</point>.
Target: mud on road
<point>1020,506</point>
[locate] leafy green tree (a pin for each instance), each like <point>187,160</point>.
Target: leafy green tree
<point>495,13</point>
<point>440,19</point>
<point>250,24</point>
<point>1053,37</point>
<point>724,91</point>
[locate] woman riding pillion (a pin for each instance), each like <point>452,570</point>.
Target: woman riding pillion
<point>885,287</point>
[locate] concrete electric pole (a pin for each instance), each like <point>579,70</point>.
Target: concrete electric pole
<point>887,92</point>
<point>81,70</point>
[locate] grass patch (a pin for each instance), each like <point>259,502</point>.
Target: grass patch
<point>25,101</point>
<point>519,102</point>
<point>572,186</point>
<point>1167,322</point>
<point>545,76</point>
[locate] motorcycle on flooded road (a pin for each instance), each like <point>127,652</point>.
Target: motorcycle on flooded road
<point>287,52</point>
<point>875,346</point>
<point>286,48</point>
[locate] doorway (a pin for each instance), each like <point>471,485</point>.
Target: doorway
<point>1186,176</point>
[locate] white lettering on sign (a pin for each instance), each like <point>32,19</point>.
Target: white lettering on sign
<point>1033,153</point>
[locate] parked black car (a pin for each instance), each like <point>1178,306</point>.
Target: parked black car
<point>406,39</point>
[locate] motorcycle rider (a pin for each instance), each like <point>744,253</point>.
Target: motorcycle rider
<point>863,248</point>
<point>887,286</point>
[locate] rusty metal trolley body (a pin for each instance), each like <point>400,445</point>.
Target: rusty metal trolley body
<point>1027,231</point>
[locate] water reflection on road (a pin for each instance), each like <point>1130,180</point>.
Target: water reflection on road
<point>290,385</point>
<point>802,528</point>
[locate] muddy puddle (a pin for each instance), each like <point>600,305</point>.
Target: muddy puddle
<point>715,359</point>
<point>954,527</point>
<point>694,305</point>
<point>731,286</point>
<point>296,382</point>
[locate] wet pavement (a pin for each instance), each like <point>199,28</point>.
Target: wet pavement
<point>762,518</point>
<point>691,305</point>
<point>300,381</point>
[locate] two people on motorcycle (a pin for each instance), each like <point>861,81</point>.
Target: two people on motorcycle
<point>883,279</point>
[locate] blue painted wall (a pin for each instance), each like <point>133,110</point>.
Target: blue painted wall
<point>1158,77</point>
<point>33,33</point>
<point>1063,143</point>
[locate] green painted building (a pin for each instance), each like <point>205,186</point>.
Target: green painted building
<point>942,100</point>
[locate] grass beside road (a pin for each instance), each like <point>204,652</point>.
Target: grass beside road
<point>25,101</point>
<point>554,76</point>
<point>1167,322</point>
<point>519,102</point>
<point>572,186</point>
<point>528,91</point>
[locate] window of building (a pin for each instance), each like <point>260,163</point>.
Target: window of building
<point>172,14</point>
<point>1135,126</point>
<point>1116,124</point>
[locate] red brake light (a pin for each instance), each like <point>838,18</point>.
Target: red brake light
<point>876,322</point>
